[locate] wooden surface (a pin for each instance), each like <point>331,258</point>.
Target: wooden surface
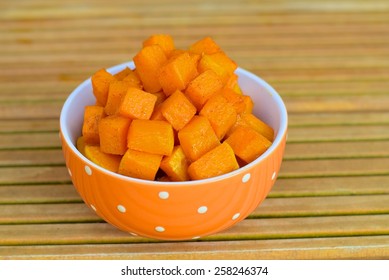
<point>329,60</point>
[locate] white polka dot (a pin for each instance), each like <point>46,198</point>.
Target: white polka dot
<point>196,237</point>
<point>88,170</point>
<point>236,216</point>
<point>273,176</point>
<point>246,178</point>
<point>134,234</point>
<point>160,229</point>
<point>163,195</point>
<point>70,172</point>
<point>93,207</point>
<point>121,208</point>
<point>202,210</point>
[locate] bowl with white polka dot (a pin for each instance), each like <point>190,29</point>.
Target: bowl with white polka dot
<point>175,210</point>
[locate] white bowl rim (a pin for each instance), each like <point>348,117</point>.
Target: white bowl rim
<point>277,141</point>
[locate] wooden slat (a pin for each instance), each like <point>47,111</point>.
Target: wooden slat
<point>270,208</point>
<point>38,194</point>
<point>33,175</point>
<point>30,140</point>
<point>31,158</point>
<point>358,247</point>
<point>87,233</point>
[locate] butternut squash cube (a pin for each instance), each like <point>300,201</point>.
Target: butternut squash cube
<point>116,91</point>
<point>220,113</point>
<point>178,110</point>
<point>218,161</point>
<point>148,61</point>
<point>113,132</point>
<point>220,63</point>
<point>100,84</point>
<point>176,165</point>
<point>247,143</point>
<point>80,144</point>
<point>149,136</point>
<point>139,165</point>
<point>90,128</point>
<point>165,41</point>
<point>205,46</point>
<point>177,73</point>
<point>137,104</point>
<point>235,99</point>
<point>197,138</point>
<point>107,161</point>
<point>203,87</point>
<point>122,74</point>
<point>249,120</point>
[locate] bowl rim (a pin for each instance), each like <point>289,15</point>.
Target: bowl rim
<point>114,69</point>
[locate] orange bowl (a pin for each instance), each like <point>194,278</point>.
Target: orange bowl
<point>175,210</point>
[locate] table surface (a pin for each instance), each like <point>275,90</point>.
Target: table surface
<point>329,60</point>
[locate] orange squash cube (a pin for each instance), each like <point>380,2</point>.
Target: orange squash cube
<point>197,138</point>
<point>80,144</point>
<point>177,73</point>
<point>220,63</point>
<point>149,136</point>
<point>122,74</point>
<point>177,110</point>
<point>113,132</point>
<point>220,113</point>
<point>218,161</point>
<point>139,165</point>
<point>249,120</point>
<point>107,161</point>
<point>205,46</point>
<point>90,128</point>
<point>203,87</point>
<point>133,80</point>
<point>247,143</point>
<point>148,61</point>
<point>165,41</point>
<point>249,104</point>
<point>117,89</point>
<point>100,84</point>
<point>137,104</point>
<point>176,165</point>
<point>235,99</point>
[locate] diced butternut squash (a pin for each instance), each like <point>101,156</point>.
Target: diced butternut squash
<point>139,165</point>
<point>165,41</point>
<point>107,161</point>
<point>80,145</point>
<point>160,97</point>
<point>205,46</point>
<point>100,84</point>
<point>117,89</point>
<point>220,113</point>
<point>137,104</point>
<point>177,73</point>
<point>249,104</point>
<point>203,87</point>
<point>113,132</point>
<point>235,99</point>
<point>133,80</point>
<point>157,114</point>
<point>148,62</point>
<point>90,127</point>
<point>218,161</point>
<point>178,110</point>
<point>176,165</point>
<point>220,63</point>
<point>122,74</point>
<point>154,137</point>
<point>247,143</point>
<point>249,120</point>
<point>197,138</point>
